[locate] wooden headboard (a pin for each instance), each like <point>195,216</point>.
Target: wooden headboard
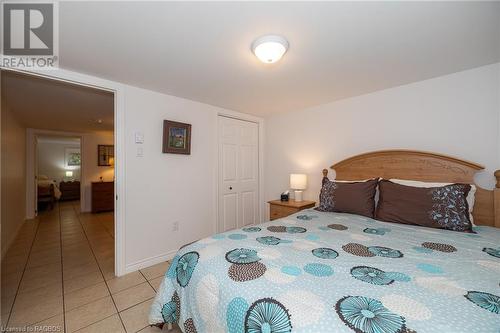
<point>423,166</point>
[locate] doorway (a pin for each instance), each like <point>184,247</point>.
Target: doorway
<point>58,165</point>
<point>238,165</point>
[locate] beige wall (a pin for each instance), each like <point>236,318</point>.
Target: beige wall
<point>13,176</point>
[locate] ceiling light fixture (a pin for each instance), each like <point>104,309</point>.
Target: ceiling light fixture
<point>270,48</point>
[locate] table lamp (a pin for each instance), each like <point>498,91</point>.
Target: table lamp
<point>298,182</point>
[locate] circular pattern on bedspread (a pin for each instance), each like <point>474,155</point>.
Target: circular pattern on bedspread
<point>168,312</point>
<point>357,250</point>
<point>325,253</point>
<point>237,236</point>
<point>305,217</point>
<point>439,247</point>
<point>185,267</point>
<point>335,226</point>
<point>387,252</point>
<point>171,310</point>
<point>252,229</point>
<point>319,270</point>
<point>429,268</point>
<point>371,275</point>
<point>235,315</point>
<point>397,276</point>
<point>189,326</point>
<point>276,228</point>
<point>295,230</point>
<point>492,252</point>
<point>171,272</point>
<point>484,300</point>
<point>374,231</point>
<point>268,240</point>
<point>368,315</point>
<point>246,272</point>
<point>267,316</point>
<point>242,256</point>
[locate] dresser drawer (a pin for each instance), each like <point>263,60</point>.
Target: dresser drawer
<point>281,211</point>
<point>103,198</point>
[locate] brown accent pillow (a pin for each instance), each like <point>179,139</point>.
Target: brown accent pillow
<point>351,197</point>
<point>442,207</point>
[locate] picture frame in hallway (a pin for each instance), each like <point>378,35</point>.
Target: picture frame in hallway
<point>105,155</point>
<point>72,157</point>
<point>176,138</point>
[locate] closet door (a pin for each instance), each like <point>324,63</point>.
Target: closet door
<point>238,173</point>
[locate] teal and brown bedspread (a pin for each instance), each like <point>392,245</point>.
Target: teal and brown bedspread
<point>329,272</point>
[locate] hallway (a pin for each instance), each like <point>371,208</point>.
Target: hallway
<point>60,273</point>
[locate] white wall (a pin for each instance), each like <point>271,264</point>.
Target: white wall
<point>13,177</point>
<point>91,172</point>
<point>456,114</point>
<point>51,160</point>
<point>165,188</point>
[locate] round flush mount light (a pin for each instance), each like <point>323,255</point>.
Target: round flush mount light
<point>270,48</point>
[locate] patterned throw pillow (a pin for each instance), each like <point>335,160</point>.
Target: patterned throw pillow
<point>442,207</point>
<point>348,197</point>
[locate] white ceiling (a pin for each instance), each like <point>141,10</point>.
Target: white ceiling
<point>55,105</point>
<point>201,50</point>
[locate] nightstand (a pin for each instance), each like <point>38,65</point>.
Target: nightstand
<point>279,209</point>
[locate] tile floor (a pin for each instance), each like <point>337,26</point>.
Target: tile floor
<point>59,272</point>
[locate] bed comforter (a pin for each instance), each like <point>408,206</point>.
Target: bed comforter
<point>328,272</point>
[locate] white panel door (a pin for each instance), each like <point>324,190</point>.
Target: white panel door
<point>238,173</point>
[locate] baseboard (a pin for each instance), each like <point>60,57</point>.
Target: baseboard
<point>149,262</point>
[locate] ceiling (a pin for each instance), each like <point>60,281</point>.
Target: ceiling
<point>55,105</point>
<point>201,50</point>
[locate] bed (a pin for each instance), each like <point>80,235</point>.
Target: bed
<point>47,191</point>
<point>335,272</point>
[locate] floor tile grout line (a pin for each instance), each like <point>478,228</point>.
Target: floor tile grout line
<point>24,270</point>
<point>62,268</point>
<point>147,281</point>
<point>119,313</point>
<point>95,257</point>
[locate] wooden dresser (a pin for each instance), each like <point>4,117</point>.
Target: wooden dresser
<point>103,196</point>
<point>70,190</point>
<point>279,209</point>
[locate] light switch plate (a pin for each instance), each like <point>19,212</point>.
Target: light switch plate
<point>139,137</point>
<point>140,152</point>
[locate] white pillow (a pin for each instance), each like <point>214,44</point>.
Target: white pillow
<point>415,183</point>
<point>43,177</point>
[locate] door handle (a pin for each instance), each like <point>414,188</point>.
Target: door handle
<point>230,187</point>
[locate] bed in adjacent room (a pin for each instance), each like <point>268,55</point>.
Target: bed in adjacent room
<point>319,271</point>
<point>47,191</point>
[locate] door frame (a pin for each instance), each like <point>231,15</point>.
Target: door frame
<point>118,91</point>
<point>260,192</point>
<point>32,135</point>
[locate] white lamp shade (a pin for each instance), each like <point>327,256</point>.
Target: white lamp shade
<point>298,181</point>
<point>69,173</point>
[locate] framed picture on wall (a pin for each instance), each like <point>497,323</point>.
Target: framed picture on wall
<point>72,157</point>
<point>105,155</point>
<point>176,138</point>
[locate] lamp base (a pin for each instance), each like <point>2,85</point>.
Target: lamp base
<point>298,195</point>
